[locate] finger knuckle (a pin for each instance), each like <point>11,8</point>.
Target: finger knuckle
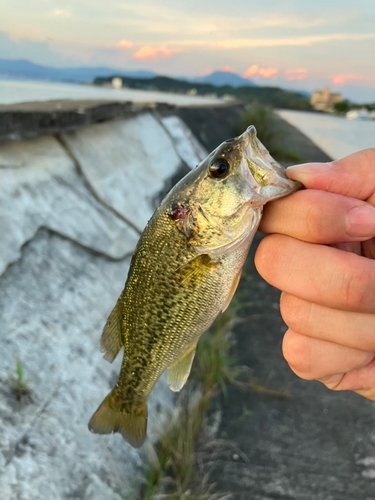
<point>266,255</point>
<point>315,224</point>
<point>356,286</point>
<point>369,155</point>
<point>296,351</point>
<point>295,312</point>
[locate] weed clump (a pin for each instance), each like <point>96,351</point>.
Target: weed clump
<point>20,385</point>
<point>269,131</point>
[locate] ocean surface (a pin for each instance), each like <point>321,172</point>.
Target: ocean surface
<point>14,91</point>
<point>335,135</point>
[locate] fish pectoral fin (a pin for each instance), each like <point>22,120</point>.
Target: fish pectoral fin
<point>178,373</point>
<point>196,269</point>
<point>232,290</point>
<point>111,340</point>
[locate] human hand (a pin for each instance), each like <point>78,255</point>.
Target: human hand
<point>322,258</point>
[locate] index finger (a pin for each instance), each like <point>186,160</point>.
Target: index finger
<point>353,176</point>
<point>319,217</point>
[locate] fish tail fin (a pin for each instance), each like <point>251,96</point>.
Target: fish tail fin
<point>111,417</point>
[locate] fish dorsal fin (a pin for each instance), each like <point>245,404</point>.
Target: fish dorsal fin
<point>111,340</point>
<point>232,291</point>
<point>178,372</point>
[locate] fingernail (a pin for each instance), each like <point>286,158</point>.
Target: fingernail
<point>308,168</point>
<point>361,222</point>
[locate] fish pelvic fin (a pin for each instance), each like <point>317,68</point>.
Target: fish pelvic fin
<point>111,340</point>
<point>112,417</point>
<point>179,372</point>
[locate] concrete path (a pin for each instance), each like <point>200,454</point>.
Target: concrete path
<point>335,135</point>
<point>13,91</point>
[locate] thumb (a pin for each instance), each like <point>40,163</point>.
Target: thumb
<point>353,176</point>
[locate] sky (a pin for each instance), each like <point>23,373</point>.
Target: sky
<point>294,43</point>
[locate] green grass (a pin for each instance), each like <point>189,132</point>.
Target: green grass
<point>20,385</point>
<point>173,470</point>
<point>269,131</point>
<point>255,386</point>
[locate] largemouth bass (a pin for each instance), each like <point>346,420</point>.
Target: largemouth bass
<point>184,272</point>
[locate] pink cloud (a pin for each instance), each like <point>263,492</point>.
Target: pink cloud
<point>341,79</point>
<point>152,53</point>
<point>264,72</point>
<point>253,70</point>
<point>228,69</point>
<point>124,44</point>
<point>268,72</point>
<point>295,74</point>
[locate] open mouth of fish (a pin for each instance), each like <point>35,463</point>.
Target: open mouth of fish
<point>264,175</point>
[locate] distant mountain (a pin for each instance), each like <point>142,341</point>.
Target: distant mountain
<point>25,69</point>
<point>220,78</point>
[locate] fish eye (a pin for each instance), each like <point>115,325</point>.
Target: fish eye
<point>219,168</point>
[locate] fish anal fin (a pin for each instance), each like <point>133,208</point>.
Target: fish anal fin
<point>110,417</point>
<point>232,290</point>
<point>178,373</point>
<point>111,340</point>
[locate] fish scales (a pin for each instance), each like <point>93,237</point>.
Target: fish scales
<point>184,271</point>
<point>157,329</point>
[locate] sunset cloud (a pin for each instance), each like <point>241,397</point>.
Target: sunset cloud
<point>124,44</point>
<point>253,70</point>
<point>153,53</point>
<point>228,69</point>
<point>342,79</point>
<point>295,74</point>
<point>294,41</point>
<point>267,72</point>
<point>264,72</point>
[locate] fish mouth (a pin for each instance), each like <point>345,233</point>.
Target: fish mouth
<point>268,177</point>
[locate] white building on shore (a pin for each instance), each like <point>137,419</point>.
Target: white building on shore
<point>324,100</point>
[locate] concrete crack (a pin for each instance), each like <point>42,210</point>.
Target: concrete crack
<point>77,243</point>
<point>91,187</point>
<point>157,117</point>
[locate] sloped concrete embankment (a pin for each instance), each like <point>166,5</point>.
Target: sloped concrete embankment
<point>72,206</point>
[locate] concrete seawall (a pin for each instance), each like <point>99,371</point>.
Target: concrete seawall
<point>78,182</point>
